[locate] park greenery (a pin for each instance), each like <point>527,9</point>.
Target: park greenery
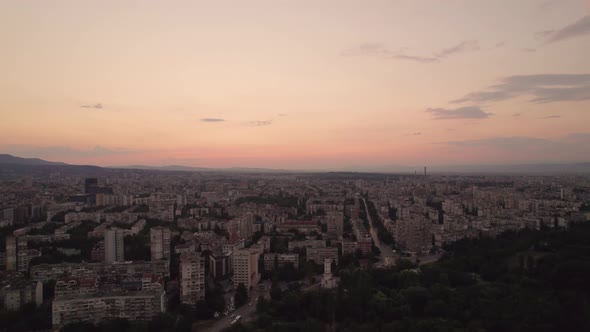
<point>520,281</point>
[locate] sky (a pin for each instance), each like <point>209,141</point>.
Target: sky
<point>301,84</point>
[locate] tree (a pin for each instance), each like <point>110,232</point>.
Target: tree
<point>261,305</point>
<point>275,291</point>
<point>214,298</point>
<point>241,296</point>
<point>81,326</point>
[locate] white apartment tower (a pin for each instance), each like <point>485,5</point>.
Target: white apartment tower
<point>246,267</point>
<point>160,243</point>
<point>114,247</point>
<point>192,277</point>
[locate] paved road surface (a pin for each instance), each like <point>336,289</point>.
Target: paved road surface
<point>248,312</point>
<point>387,256</point>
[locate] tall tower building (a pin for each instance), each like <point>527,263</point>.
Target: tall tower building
<point>246,267</point>
<point>11,253</point>
<point>22,255</point>
<point>159,243</point>
<point>17,258</point>
<point>246,226</point>
<point>114,246</point>
<point>90,185</point>
<point>192,277</point>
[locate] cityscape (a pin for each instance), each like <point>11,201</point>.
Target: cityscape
<point>209,249</point>
<point>295,165</point>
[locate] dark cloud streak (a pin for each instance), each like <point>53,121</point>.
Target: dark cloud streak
<point>544,88</point>
<point>381,51</point>
<point>466,46</point>
<point>212,120</point>
<point>576,29</point>
<point>260,123</point>
<point>95,106</point>
<point>468,112</point>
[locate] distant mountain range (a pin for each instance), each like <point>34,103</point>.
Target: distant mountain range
<point>538,168</point>
<point>12,160</point>
<point>6,159</point>
<point>179,168</point>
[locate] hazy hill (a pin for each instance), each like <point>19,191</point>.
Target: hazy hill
<point>12,160</point>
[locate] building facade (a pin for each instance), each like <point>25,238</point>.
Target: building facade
<point>246,268</point>
<point>160,243</point>
<point>114,247</point>
<point>95,308</point>
<point>192,277</point>
<point>281,260</point>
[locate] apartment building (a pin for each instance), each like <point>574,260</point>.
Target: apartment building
<point>281,260</point>
<point>192,277</point>
<point>245,263</point>
<point>114,247</point>
<point>159,243</point>
<point>94,308</point>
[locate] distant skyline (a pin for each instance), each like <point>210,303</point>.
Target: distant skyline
<point>322,84</point>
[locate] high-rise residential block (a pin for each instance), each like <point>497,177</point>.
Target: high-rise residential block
<point>192,277</point>
<point>114,247</point>
<point>246,267</point>
<point>17,258</point>
<point>11,253</point>
<point>160,243</point>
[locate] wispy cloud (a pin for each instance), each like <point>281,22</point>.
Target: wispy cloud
<point>212,120</point>
<point>516,114</point>
<point>96,106</point>
<point>382,51</point>
<point>500,44</point>
<point>544,34</point>
<point>468,112</point>
<point>551,117</point>
<point>259,123</point>
<point>544,88</point>
<point>466,46</point>
<point>529,50</point>
<point>367,49</point>
<point>578,28</point>
<point>415,58</point>
<point>416,133</point>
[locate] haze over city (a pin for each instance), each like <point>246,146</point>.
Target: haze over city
<point>296,84</point>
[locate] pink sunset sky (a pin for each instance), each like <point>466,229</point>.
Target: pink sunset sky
<point>301,84</point>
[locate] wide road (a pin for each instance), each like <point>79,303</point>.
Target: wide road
<point>387,256</point>
<point>248,312</point>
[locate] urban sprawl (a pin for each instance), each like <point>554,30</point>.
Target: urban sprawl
<point>136,243</point>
